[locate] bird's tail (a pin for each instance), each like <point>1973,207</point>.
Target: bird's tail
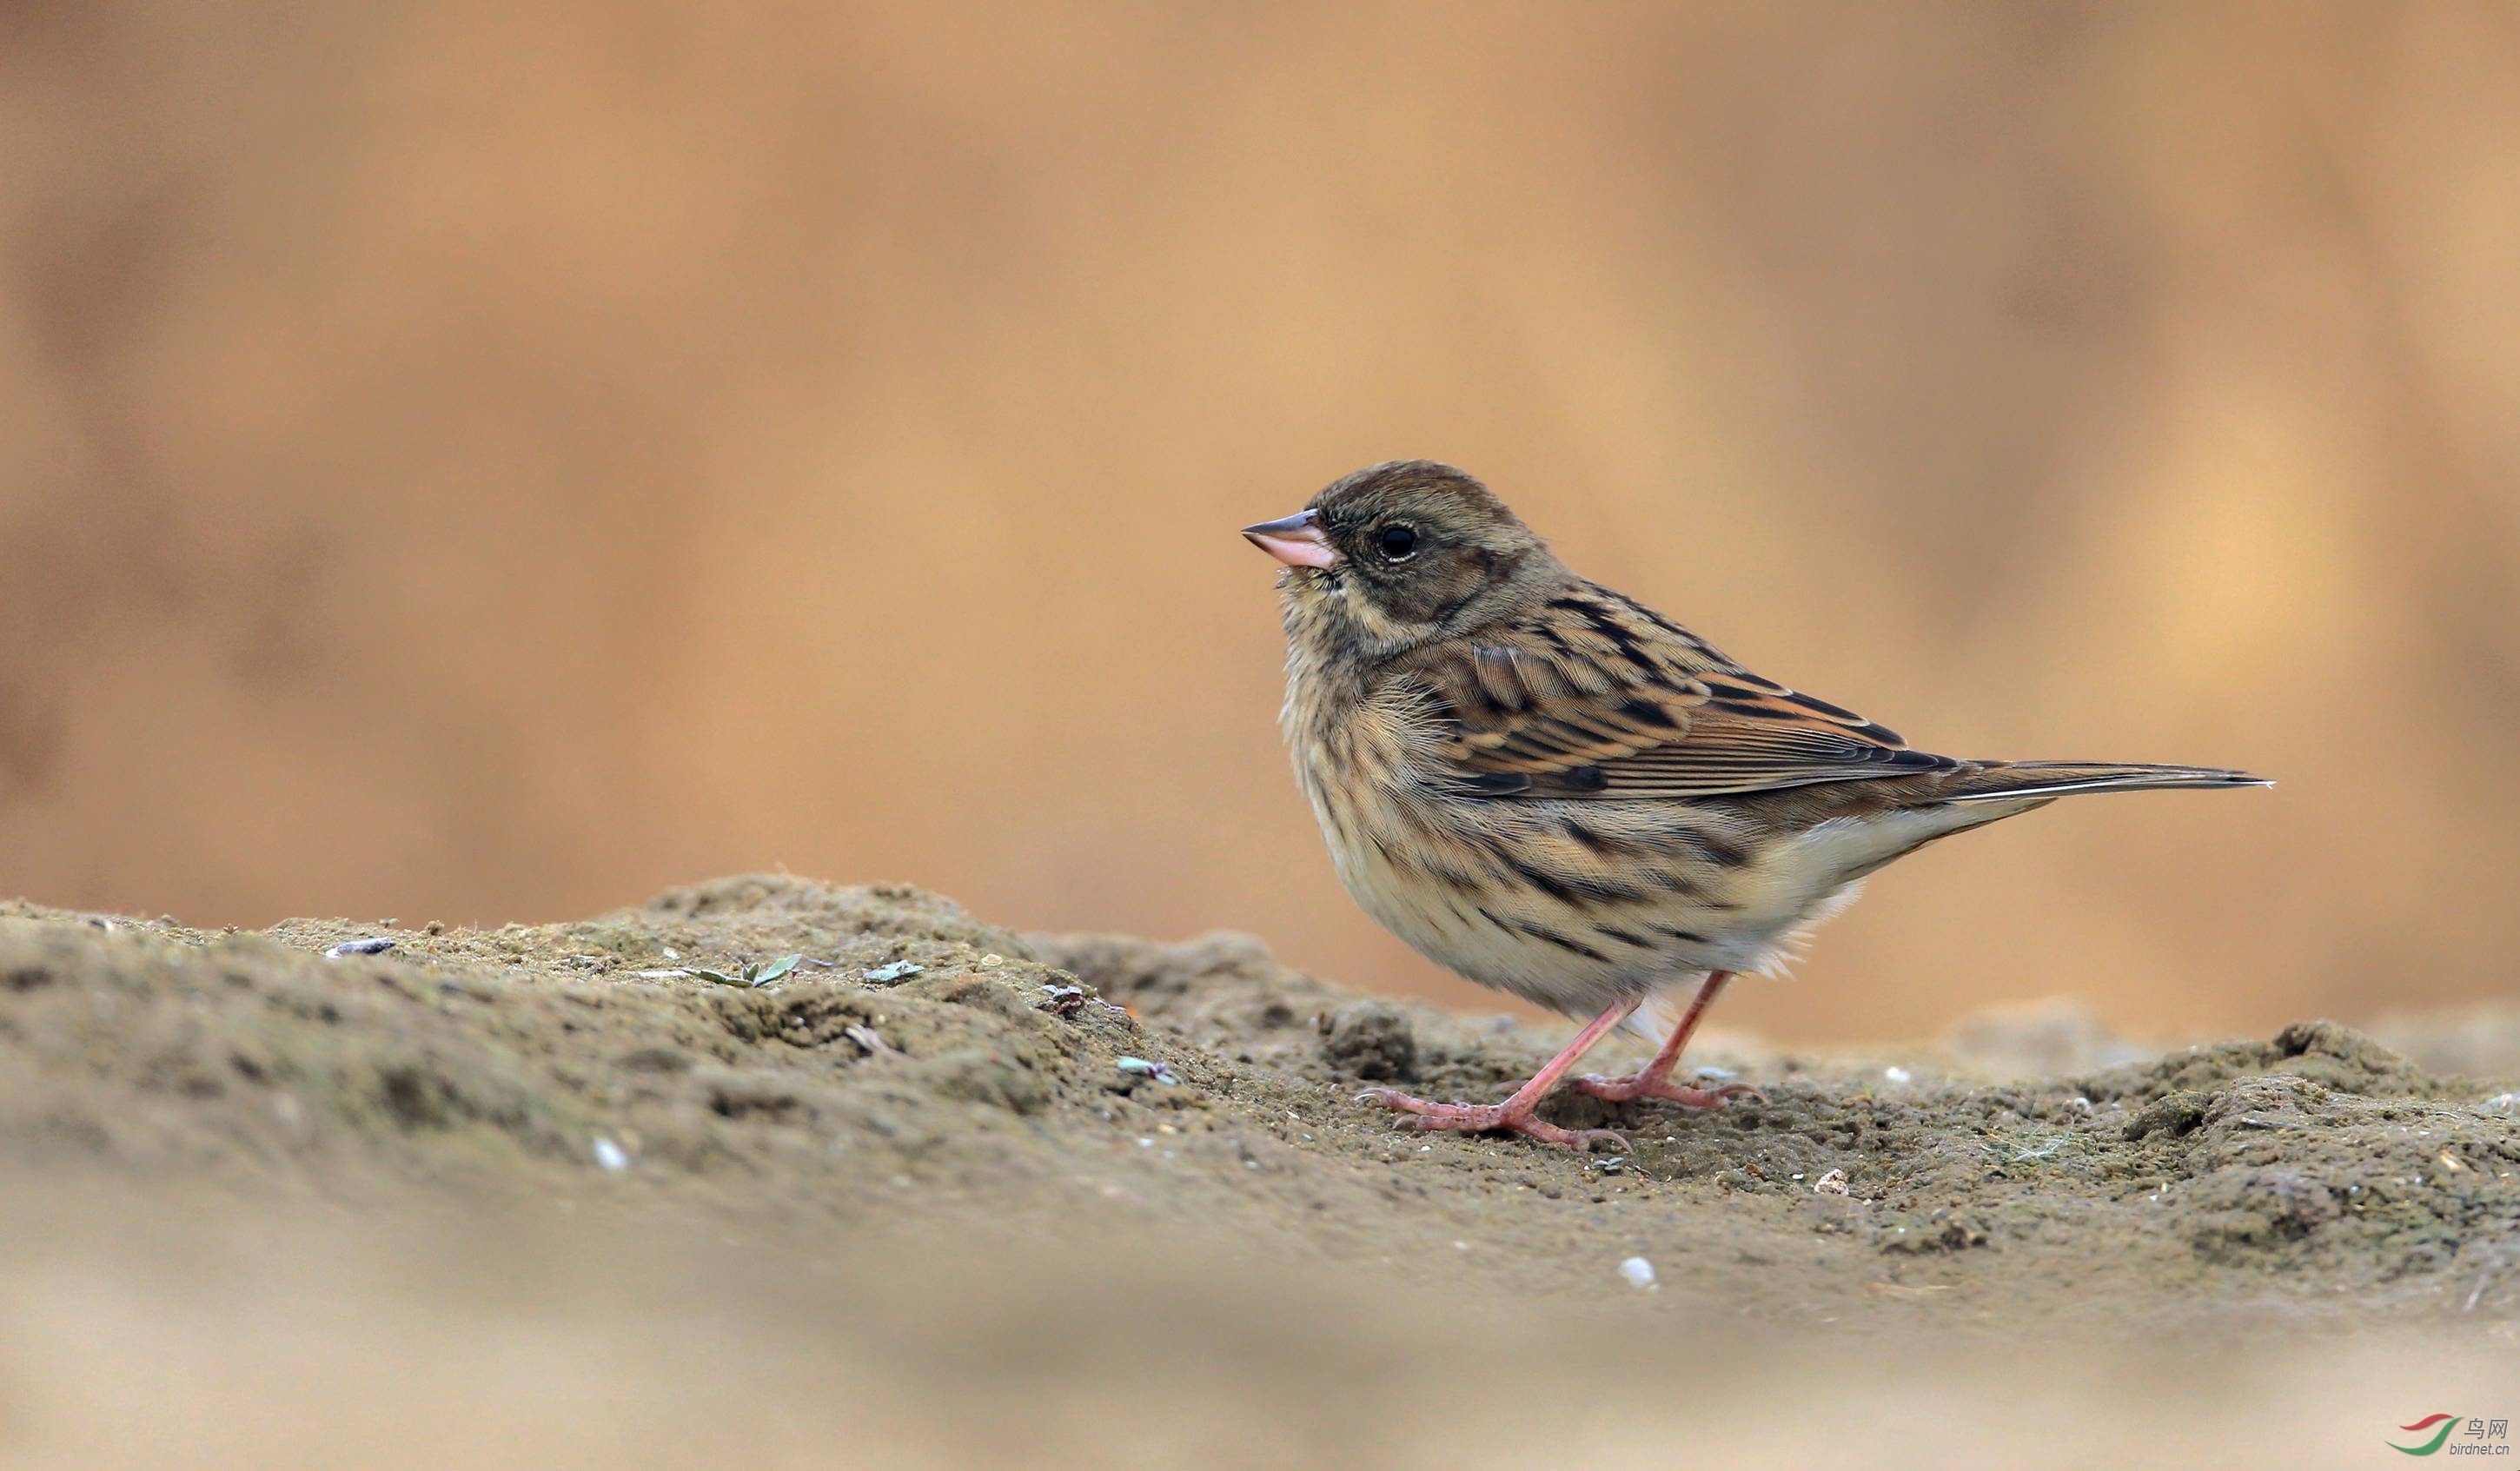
<point>1998,780</point>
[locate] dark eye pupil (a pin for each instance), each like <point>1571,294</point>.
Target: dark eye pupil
<point>1398,541</point>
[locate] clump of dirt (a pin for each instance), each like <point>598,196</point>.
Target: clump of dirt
<point>919,1064</point>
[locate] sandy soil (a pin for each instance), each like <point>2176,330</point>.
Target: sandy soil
<point>946,1194</point>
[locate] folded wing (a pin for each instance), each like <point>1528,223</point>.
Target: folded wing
<point>1599,696</point>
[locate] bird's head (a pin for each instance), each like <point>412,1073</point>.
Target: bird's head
<point>1402,553</point>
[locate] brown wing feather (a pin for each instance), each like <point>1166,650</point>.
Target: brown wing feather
<point>1597,695</point>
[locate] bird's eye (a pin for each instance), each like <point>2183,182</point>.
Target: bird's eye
<point>1396,543</point>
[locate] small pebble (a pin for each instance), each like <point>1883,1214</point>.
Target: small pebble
<point>1896,1074</point>
<point>1637,1273</point>
<point>374,947</point>
<point>609,1155</point>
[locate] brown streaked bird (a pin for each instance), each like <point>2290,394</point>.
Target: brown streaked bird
<point>1549,788</point>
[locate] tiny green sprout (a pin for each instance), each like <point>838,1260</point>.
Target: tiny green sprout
<point>750,975</point>
<point>898,970</point>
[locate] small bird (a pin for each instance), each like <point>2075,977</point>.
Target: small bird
<point>1552,789</point>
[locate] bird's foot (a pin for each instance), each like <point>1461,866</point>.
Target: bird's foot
<point>1489,1118</point>
<point>1646,1086</point>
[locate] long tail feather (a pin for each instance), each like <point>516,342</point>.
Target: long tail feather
<point>1997,780</point>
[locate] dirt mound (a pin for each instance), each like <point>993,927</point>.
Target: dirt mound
<point>808,1175</point>
<point>917,1062</point>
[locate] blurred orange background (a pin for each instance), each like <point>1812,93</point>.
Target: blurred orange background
<point>484,462</point>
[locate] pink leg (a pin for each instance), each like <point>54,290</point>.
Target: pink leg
<point>1654,1080</point>
<point>1515,1113</point>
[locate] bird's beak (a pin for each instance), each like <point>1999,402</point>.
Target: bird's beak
<point>1296,541</point>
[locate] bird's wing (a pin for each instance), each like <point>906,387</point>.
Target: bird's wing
<point>1596,695</point>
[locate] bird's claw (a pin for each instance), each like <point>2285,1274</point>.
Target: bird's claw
<point>1486,1118</point>
<point>1392,1098</point>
